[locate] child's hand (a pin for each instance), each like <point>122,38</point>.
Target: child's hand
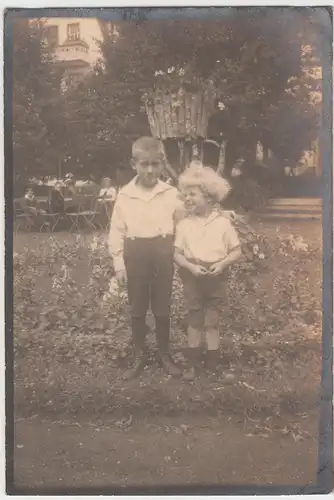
<point>121,277</point>
<point>198,270</point>
<point>217,268</point>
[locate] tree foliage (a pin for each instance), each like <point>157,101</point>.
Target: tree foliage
<point>253,56</point>
<point>37,128</point>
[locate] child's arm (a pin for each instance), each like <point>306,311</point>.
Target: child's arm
<point>233,249</point>
<point>232,257</point>
<point>181,261</point>
<point>116,241</point>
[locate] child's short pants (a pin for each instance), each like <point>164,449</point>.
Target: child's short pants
<point>205,295</point>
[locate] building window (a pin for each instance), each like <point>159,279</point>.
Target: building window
<point>51,35</point>
<point>73,31</point>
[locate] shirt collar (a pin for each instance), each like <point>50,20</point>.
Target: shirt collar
<point>206,221</point>
<point>133,191</point>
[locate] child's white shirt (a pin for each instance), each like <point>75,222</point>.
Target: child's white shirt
<point>206,239</point>
<point>140,213</point>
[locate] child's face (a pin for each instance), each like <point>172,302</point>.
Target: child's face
<point>149,167</point>
<point>195,200</point>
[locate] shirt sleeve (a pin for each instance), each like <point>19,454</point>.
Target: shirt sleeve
<point>179,242</point>
<point>179,208</point>
<point>116,236</point>
<point>231,237</point>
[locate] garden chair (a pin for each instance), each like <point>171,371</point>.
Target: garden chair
<point>84,216</point>
<point>23,218</point>
<point>105,208</point>
<point>48,221</point>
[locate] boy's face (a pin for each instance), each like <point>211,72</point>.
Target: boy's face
<point>195,200</point>
<point>149,167</point>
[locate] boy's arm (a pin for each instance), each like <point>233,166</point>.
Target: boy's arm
<point>233,256</point>
<point>233,249</point>
<point>180,259</point>
<point>116,237</point>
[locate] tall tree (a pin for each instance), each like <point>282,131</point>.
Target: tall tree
<point>253,56</point>
<point>37,128</point>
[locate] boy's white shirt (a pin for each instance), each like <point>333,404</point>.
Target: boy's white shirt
<point>207,239</point>
<point>139,213</point>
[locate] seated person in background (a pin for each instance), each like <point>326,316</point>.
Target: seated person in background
<point>57,201</point>
<point>107,191</point>
<point>71,193</point>
<point>31,203</point>
<point>106,199</point>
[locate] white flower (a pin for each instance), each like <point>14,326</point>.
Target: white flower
<point>113,287</point>
<point>221,106</point>
<point>256,249</point>
<point>171,70</point>
<point>261,256</point>
<point>181,72</point>
<point>235,172</point>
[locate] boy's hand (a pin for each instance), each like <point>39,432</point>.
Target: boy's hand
<point>198,270</point>
<point>217,268</point>
<point>121,277</point>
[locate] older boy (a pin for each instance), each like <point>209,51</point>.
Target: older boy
<point>141,244</point>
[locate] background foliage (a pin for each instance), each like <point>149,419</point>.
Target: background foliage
<point>252,55</point>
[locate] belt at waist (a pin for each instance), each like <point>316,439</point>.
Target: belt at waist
<point>160,237</point>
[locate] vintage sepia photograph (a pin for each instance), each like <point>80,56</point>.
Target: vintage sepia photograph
<point>168,187</point>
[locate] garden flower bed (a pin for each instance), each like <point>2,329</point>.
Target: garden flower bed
<point>72,339</point>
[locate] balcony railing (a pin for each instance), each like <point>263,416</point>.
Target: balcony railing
<point>72,52</point>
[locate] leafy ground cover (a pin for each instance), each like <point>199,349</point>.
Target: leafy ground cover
<point>72,340</point>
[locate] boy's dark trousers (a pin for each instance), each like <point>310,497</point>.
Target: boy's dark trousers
<point>149,267</point>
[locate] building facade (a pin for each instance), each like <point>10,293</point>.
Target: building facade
<point>75,42</point>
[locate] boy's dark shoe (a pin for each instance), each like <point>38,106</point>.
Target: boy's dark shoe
<point>169,366</point>
<point>212,361</point>
<point>136,368</point>
<point>191,373</point>
<point>194,357</point>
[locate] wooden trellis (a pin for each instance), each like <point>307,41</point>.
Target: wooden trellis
<point>183,116</point>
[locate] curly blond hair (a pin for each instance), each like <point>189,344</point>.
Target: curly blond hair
<point>205,178</point>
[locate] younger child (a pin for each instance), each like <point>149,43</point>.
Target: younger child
<point>206,245</point>
<point>141,244</point>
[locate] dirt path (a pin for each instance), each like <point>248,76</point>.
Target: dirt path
<point>158,452</point>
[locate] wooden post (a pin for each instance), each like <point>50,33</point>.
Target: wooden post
<point>60,168</point>
<point>221,162</point>
<point>168,167</point>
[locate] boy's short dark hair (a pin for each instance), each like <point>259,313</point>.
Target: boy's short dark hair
<point>147,144</point>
